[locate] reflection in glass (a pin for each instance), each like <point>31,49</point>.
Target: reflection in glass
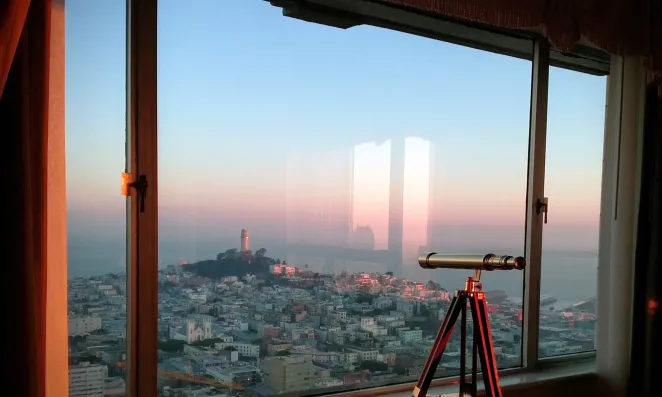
<point>371,189</point>
<point>573,175</point>
<point>96,214</point>
<point>416,198</point>
<point>343,154</point>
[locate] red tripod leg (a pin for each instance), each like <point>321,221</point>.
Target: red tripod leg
<point>485,347</point>
<point>439,346</point>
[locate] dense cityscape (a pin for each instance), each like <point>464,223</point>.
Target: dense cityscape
<point>253,325</point>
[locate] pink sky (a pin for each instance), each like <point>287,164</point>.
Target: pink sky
<point>321,196</point>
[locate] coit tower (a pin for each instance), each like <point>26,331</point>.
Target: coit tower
<point>244,240</point>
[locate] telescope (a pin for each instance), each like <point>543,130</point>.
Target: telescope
<point>471,296</point>
<point>489,262</point>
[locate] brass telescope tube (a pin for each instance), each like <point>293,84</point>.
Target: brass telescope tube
<point>488,262</point>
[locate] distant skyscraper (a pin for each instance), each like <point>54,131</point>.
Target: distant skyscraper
<point>244,240</point>
<point>364,238</point>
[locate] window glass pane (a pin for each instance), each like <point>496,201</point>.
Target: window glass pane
<point>302,169</point>
<point>573,178</point>
<point>96,214</point>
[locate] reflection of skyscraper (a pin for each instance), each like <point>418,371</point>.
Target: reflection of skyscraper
<point>436,183</point>
<point>391,196</point>
<point>395,215</point>
<point>244,240</point>
<point>371,181</point>
<point>416,197</point>
<point>319,197</point>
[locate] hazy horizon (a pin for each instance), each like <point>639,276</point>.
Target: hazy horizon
<point>86,259</point>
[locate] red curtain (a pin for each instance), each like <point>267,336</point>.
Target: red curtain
<point>620,27</point>
<point>12,19</point>
<point>24,70</point>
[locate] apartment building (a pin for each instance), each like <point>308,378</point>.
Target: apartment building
<point>289,373</point>
<point>87,380</point>
<point>82,326</point>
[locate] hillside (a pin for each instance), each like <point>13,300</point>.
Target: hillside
<point>234,263</point>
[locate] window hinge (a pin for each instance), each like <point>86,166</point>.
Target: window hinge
<point>542,206</point>
<point>140,185</point>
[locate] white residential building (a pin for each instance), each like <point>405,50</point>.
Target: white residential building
<point>244,349</point>
<point>87,380</point>
<point>232,373</point>
<point>82,326</point>
<point>407,336</point>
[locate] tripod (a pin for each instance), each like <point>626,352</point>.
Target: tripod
<point>482,343</point>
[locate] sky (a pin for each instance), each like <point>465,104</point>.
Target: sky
<point>285,128</point>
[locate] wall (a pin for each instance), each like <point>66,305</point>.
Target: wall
<point>578,386</point>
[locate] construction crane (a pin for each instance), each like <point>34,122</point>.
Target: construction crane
<point>318,354</point>
<point>189,377</point>
<point>309,353</point>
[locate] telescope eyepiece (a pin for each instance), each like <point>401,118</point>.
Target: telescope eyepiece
<point>504,262</point>
<point>520,263</point>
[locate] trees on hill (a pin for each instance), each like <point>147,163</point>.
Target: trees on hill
<point>373,366</point>
<point>233,263</point>
<point>171,345</point>
<point>205,342</point>
<point>431,285</point>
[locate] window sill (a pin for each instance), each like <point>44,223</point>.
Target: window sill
<point>574,378</point>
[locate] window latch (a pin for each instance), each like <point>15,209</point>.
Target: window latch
<point>140,185</point>
<point>542,206</point>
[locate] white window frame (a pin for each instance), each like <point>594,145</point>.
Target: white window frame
<point>535,191</point>
<point>142,229</point>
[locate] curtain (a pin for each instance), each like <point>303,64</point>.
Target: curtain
<point>24,68</point>
<point>620,27</point>
<point>646,324</point>
<point>12,17</point>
